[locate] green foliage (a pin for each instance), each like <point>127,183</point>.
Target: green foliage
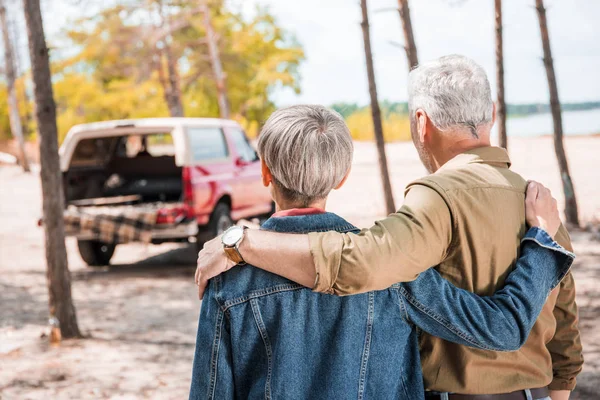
<point>345,109</point>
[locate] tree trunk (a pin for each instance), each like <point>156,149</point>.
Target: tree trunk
<point>409,38</point>
<point>500,103</point>
<point>215,59</point>
<point>58,276</point>
<point>13,103</point>
<point>174,96</point>
<point>376,113</point>
<point>571,212</point>
<point>170,84</point>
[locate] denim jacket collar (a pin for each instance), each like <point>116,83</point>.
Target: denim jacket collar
<point>309,223</point>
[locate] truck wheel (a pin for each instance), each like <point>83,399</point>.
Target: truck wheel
<point>220,220</point>
<point>94,253</point>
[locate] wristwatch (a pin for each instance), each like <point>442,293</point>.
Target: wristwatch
<point>231,240</point>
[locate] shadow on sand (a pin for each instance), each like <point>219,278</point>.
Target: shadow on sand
<point>174,263</point>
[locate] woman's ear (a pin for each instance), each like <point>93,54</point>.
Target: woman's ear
<point>343,179</point>
<point>267,178</point>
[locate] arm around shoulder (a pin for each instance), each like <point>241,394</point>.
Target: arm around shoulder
<point>395,249</point>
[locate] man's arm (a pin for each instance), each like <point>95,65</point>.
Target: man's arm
<point>395,249</point>
<point>501,322</point>
<point>565,347</point>
<point>212,372</point>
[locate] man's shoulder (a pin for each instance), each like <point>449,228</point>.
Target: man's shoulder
<point>471,176</point>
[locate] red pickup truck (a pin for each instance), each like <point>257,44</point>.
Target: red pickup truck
<point>198,175</point>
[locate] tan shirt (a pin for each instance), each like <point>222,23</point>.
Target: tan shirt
<point>467,219</point>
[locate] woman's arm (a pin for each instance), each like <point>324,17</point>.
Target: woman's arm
<point>500,322</point>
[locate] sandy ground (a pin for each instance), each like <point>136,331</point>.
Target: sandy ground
<point>141,312</point>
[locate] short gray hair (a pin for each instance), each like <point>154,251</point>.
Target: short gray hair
<point>454,91</point>
<point>308,149</point>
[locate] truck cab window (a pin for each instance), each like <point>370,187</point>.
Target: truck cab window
<point>207,144</point>
<point>243,147</point>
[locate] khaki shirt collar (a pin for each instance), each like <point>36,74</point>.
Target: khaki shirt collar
<point>486,155</point>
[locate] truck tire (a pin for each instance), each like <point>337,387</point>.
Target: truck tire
<point>219,221</point>
<point>94,253</point>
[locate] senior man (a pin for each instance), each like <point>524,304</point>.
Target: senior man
<point>467,218</point>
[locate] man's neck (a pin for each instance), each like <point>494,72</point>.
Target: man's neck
<point>456,148</point>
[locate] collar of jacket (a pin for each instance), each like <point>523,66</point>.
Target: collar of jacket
<point>485,155</point>
<point>309,223</point>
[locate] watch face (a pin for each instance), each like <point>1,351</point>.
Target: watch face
<point>232,235</point>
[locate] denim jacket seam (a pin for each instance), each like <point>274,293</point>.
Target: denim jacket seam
<point>552,246</point>
<point>218,281</point>
<point>447,324</point>
<point>403,310</point>
<point>340,229</point>
<point>367,347</point>
<point>214,360</point>
<point>271,290</point>
<point>265,337</point>
<point>547,242</point>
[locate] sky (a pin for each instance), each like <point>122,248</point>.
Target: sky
<point>334,70</point>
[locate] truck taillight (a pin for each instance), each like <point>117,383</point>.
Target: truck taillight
<point>171,216</point>
<point>188,191</point>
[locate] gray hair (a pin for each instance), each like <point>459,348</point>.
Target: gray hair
<point>454,92</point>
<point>308,149</point>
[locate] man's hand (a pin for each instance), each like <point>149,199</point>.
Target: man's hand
<point>541,209</point>
<point>560,394</point>
<point>212,261</point>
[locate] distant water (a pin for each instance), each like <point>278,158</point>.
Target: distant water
<point>574,123</point>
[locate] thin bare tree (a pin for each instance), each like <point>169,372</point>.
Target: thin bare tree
<point>500,102</point>
<point>13,104</point>
<point>57,273</point>
<point>215,60</point>
<point>170,83</point>
<point>376,112</point>
<point>409,38</point>
<point>571,211</point>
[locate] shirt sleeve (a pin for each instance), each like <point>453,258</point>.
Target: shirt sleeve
<point>212,371</point>
<point>395,249</point>
<point>565,347</point>
<point>501,322</point>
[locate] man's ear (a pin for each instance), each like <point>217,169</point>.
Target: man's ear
<point>422,121</point>
<point>267,178</point>
<point>494,114</point>
<point>343,179</point>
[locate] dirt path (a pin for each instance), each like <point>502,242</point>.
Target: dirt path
<point>141,312</point>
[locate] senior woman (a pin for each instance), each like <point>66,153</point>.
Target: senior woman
<point>263,336</point>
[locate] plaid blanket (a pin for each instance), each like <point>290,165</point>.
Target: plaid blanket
<point>114,224</point>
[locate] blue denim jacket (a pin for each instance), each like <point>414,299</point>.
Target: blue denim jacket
<point>261,336</point>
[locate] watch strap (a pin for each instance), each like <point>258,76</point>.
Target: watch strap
<point>234,255</point>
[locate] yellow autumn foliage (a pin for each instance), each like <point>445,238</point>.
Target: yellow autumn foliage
<point>396,127</point>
